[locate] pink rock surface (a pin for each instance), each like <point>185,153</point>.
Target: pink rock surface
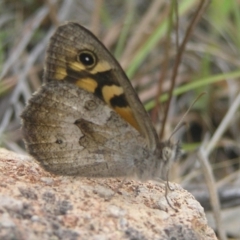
<point>35,204</point>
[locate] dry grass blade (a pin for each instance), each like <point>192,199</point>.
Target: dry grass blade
<point>208,174</point>
<point>30,28</point>
<point>201,8</point>
<point>95,22</point>
<point>143,26</point>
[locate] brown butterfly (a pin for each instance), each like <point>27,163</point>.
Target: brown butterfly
<point>87,120</point>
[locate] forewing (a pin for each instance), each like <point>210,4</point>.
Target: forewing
<point>106,79</point>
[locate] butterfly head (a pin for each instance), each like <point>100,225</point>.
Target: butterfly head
<point>168,153</point>
<point>156,164</point>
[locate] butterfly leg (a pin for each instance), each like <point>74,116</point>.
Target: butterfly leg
<point>167,187</point>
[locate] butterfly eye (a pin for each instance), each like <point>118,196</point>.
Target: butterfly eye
<point>166,153</point>
<point>87,58</point>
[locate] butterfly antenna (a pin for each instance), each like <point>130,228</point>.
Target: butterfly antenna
<point>181,123</point>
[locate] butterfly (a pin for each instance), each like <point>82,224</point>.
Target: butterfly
<point>87,120</point>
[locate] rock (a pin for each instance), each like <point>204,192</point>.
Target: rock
<point>35,204</point>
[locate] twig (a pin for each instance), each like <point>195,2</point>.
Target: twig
<point>208,175</point>
<point>164,69</point>
<point>201,8</point>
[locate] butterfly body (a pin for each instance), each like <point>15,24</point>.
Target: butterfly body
<point>87,120</point>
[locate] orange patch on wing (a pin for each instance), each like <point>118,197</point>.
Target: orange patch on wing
<point>87,84</point>
<point>102,66</point>
<point>109,92</point>
<point>60,73</point>
<point>127,115</point>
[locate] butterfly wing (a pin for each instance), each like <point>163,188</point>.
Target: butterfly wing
<point>77,56</point>
<point>72,132</point>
